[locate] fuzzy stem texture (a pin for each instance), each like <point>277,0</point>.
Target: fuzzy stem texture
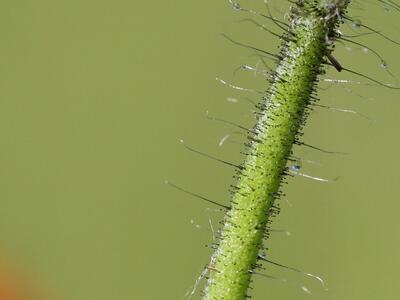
<point>308,43</point>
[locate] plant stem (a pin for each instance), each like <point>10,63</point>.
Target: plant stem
<point>283,112</point>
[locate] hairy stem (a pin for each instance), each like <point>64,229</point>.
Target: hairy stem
<point>283,112</point>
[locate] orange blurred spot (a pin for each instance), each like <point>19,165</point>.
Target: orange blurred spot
<point>14,286</point>
<point>9,289</point>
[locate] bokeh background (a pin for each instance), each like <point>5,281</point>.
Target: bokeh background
<point>94,98</point>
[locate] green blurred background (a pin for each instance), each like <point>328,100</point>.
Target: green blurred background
<point>94,98</point>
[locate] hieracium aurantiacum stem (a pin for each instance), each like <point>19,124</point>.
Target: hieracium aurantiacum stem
<point>307,47</point>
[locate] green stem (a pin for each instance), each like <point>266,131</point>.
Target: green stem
<point>312,27</point>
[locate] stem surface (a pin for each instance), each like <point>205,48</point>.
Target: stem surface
<point>283,112</point>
